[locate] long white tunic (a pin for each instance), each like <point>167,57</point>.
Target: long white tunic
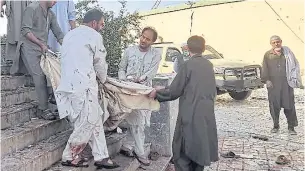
<point>142,65</point>
<point>83,59</point>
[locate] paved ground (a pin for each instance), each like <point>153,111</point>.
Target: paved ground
<point>238,121</point>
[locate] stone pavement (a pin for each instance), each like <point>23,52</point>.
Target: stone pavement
<point>237,122</point>
<point>258,155</point>
<point>252,116</point>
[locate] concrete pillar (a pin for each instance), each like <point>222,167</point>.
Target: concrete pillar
<point>162,123</point>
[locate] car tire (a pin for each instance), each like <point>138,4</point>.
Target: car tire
<point>240,95</point>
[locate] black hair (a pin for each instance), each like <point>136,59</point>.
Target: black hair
<point>93,14</point>
<point>155,36</point>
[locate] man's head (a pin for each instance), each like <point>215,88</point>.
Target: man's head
<point>94,18</point>
<point>276,42</point>
<point>196,45</point>
<point>50,4</point>
<point>184,46</point>
<point>185,49</point>
<point>148,36</point>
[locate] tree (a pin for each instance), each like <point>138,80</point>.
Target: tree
<point>119,32</point>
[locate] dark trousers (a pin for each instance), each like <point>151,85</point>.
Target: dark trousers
<point>281,95</point>
<point>289,113</point>
<point>183,163</point>
<point>31,60</point>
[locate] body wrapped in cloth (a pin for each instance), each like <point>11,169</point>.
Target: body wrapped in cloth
<point>117,98</point>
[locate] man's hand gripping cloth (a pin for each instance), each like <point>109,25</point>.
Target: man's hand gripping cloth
<point>117,98</point>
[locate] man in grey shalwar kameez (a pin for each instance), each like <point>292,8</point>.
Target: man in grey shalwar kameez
<point>37,20</point>
<point>14,12</point>
<point>280,84</point>
<point>195,142</point>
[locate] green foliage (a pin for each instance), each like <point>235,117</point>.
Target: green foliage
<point>120,30</point>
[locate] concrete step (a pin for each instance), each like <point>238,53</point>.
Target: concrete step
<point>159,165</point>
<point>14,82</point>
<point>5,69</point>
<point>17,114</point>
<point>29,133</point>
<point>42,155</point>
<point>115,141</point>
<point>19,96</point>
<point>38,157</point>
<point>126,164</point>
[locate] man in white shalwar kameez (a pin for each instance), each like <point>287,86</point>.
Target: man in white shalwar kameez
<point>82,61</point>
<point>140,64</point>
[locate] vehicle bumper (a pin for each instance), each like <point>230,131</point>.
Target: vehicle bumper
<point>239,85</point>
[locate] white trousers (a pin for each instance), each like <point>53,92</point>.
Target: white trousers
<point>137,120</point>
<point>86,116</point>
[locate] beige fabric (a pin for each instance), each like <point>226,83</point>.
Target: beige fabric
<point>117,97</point>
<point>51,67</point>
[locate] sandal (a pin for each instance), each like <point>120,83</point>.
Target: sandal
<point>229,154</point>
<point>145,163</point>
<point>47,115</point>
<point>81,163</point>
<point>260,137</point>
<point>154,156</point>
<point>282,160</point>
<point>106,164</point>
<point>52,99</point>
<point>126,152</point>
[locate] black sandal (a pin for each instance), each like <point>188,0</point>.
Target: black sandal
<point>81,163</point>
<point>260,137</point>
<point>106,165</point>
<point>229,154</point>
<point>138,158</point>
<point>127,153</point>
<point>47,115</point>
<point>154,156</point>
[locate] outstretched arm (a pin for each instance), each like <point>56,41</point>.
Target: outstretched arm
<point>56,29</point>
<point>176,89</point>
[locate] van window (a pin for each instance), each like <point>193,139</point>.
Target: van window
<point>171,54</point>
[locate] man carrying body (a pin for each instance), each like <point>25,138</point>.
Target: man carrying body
<point>37,20</point>
<point>66,16</point>
<point>281,72</point>
<point>180,59</point>
<point>83,60</point>
<point>140,64</point>
<point>14,12</point>
<point>195,142</point>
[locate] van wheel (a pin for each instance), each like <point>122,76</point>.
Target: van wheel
<point>240,95</point>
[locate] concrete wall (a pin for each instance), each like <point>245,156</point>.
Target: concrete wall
<point>239,30</point>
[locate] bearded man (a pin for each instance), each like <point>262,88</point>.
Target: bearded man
<point>281,73</point>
